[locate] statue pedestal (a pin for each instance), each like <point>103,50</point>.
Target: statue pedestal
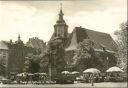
<point>52,72</point>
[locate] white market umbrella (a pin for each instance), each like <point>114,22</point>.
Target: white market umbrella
<point>75,72</point>
<point>114,69</point>
<point>42,73</point>
<point>19,74</point>
<point>4,79</point>
<point>65,72</point>
<point>30,74</point>
<point>36,73</point>
<point>91,70</point>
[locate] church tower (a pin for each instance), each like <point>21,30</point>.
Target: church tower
<point>61,28</point>
<point>19,41</point>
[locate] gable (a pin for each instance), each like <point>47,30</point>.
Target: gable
<point>3,46</point>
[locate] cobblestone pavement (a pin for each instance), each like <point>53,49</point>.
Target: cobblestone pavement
<point>75,85</point>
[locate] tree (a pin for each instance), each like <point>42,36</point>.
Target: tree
<point>36,43</point>
<point>44,62</point>
<point>56,54</point>
<point>85,56</point>
<point>3,68</point>
<point>32,63</point>
<point>122,45</point>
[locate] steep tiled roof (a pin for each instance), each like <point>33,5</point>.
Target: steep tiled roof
<point>100,39</point>
<point>3,46</point>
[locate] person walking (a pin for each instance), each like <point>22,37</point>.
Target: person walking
<point>92,79</point>
<point>27,79</point>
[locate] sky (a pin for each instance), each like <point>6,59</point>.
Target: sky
<point>37,18</point>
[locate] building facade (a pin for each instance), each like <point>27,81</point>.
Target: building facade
<point>37,44</point>
<point>17,55</point>
<point>102,41</point>
<point>3,58</point>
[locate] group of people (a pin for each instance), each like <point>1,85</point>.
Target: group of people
<point>26,78</point>
<point>94,77</point>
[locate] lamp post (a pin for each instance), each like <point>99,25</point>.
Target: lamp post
<point>26,68</point>
<point>107,66</point>
<point>50,67</point>
<point>107,62</point>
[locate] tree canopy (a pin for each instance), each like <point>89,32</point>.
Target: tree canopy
<point>3,68</point>
<point>32,63</point>
<point>57,54</point>
<point>85,56</point>
<point>122,45</point>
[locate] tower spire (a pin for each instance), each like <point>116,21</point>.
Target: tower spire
<point>61,28</point>
<point>61,6</point>
<point>18,36</point>
<point>19,41</point>
<point>61,13</point>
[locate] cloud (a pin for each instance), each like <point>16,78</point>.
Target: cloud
<point>106,21</point>
<point>26,21</point>
<point>36,18</point>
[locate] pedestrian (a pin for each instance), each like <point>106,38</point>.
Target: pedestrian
<point>92,79</point>
<point>31,79</point>
<point>27,78</point>
<point>18,80</point>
